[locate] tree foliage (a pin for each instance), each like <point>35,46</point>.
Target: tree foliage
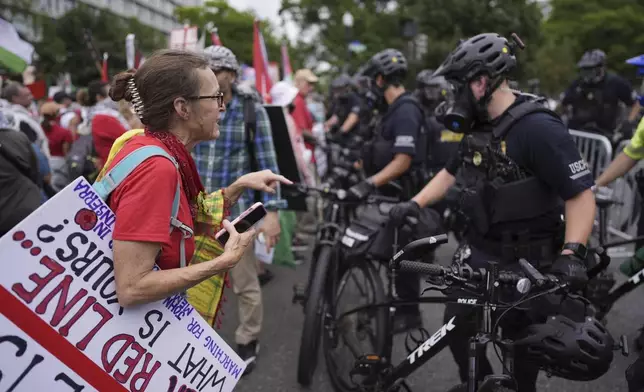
<point>378,25</point>
<point>63,47</point>
<point>235,28</point>
<point>611,25</point>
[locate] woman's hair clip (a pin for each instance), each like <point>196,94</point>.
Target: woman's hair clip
<point>137,102</point>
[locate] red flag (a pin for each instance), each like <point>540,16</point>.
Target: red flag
<point>260,63</point>
<point>215,38</point>
<point>104,76</point>
<point>137,59</point>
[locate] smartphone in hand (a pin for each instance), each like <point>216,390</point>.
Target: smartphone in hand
<point>243,222</point>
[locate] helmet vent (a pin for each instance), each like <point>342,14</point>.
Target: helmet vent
<point>486,47</point>
<point>554,343</point>
<point>586,348</point>
<point>595,337</point>
<point>480,38</point>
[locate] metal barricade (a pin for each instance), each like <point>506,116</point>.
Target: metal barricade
<point>623,219</point>
<point>596,150</point>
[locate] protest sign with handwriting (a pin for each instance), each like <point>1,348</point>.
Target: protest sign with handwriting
<point>61,326</point>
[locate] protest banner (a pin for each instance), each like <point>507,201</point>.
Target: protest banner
<point>62,328</point>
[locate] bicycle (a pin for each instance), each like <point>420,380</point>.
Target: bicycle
<point>325,267</point>
<point>483,286</point>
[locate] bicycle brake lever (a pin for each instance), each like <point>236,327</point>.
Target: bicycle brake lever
<point>434,285</point>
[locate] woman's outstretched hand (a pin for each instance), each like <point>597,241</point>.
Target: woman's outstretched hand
<point>264,181</point>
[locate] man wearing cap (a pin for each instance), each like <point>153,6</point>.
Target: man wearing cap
<point>220,162</point>
<point>305,81</point>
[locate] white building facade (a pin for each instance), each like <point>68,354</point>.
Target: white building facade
<point>157,14</point>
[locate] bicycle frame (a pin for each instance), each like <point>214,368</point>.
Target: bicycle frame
<point>388,378</point>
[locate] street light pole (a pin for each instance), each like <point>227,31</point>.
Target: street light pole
<point>347,21</point>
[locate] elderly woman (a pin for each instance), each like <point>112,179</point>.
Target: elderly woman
<point>177,98</point>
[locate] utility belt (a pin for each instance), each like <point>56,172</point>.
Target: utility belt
<point>541,253</point>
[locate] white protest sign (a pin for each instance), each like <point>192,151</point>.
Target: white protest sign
<point>62,329</point>
<point>184,38</point>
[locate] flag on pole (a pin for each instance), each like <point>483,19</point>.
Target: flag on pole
<point>104,76</point>
<point>260,63</point>
<point>286,64</point>
<point>15,54</point>
<point>130,50</point>
<point>215,37</point>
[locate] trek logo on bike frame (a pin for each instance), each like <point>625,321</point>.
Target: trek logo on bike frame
<point>429,343</point>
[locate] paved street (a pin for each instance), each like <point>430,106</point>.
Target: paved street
<point>276,371</point>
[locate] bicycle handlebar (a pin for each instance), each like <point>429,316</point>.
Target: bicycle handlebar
<point>340,194</point>
<point>459,273</point>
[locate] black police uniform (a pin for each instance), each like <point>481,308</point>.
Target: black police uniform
<point>516,178</point>
<point>402,131</point>
<point>598,103</point>
<point>343,106</point>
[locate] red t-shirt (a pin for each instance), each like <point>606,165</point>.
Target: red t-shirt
<point>105,130</point>
<point>57,137</point>
<point>143,204</point>
<point>303,119</point>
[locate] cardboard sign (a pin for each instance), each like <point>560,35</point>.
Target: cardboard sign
<point>62,329</point>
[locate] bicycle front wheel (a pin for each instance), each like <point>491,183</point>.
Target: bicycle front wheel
<point>313,312</point>
<point>356,334</point>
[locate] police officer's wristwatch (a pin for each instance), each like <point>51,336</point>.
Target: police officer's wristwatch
<point>578,249</point>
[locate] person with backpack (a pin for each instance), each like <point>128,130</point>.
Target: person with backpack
<point>246,145</point>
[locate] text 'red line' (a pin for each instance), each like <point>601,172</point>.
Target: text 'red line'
<point>57,345</point>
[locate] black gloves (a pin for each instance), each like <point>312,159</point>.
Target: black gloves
<point>361,191</point>
<point>572,269</point>
<point>402,210</point>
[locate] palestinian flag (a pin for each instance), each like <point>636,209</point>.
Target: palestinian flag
<point>15,54</point>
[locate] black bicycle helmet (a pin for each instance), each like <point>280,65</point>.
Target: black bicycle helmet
<point>488,53</point>
<point>341,81</point>
<point>438,89</point>
<point>390,63</point>
<point>579,351</point>
<point>592,59</point>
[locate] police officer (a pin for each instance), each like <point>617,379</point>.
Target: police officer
<point>397,152</point>
<point>345,107</point>
<point>434,93</point>
<point>519,164</point>
<point>593,99</point>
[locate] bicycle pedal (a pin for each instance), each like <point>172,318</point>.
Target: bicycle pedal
<point>299,294</point>
<point>366,365</point>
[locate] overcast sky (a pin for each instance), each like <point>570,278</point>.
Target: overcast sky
<point>267,9</point>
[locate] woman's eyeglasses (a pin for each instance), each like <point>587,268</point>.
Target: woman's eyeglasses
<point>219,97</point>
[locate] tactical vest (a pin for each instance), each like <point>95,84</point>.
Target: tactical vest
<point>377,154</point>
<point>497,190</point>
